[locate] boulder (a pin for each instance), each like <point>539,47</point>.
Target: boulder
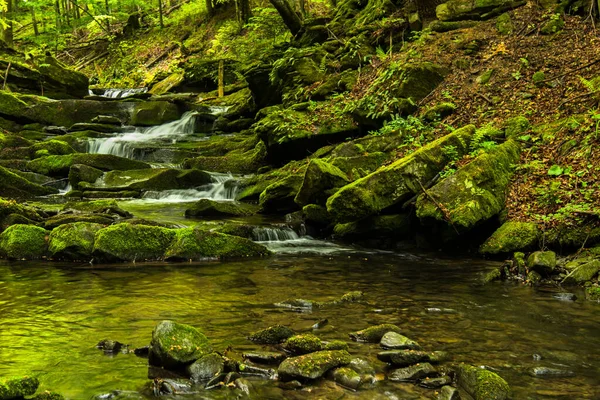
<point>73,241</point>
<point>395,341</point>
<point>83,173</point>
<point>448,393</point>
<point>373,334</point>
<point>398,181</point>
<point>272,335</point>
<point>126,242</point>
<point>279,196</point>
<point>60,165</point>
<point>206,368</point>
<point>153,113</point>
<point>9,209</point>
<point>69,218</point>
<point>105,207</point>
<point>50,147</point>
<point>27,242</point>
<point>474,193</point>
<point>482,384</point>
<point>510,237</point>
<point>542,262</point>
<point>303,344</point>
<point>238,161</point>
<point>16,186</point>
<point>313,365</point>
<point>320,179</point>
<point>346,377</point>
<point>583,271</point>
<point>405,358</point>
<point>455,10</point>
<point>18,387</point>
<point>175,345</point>
<point>413,373</point>
<point>211,208</point>
<point>155,179</point>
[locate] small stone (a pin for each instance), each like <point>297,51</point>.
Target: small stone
<point>534,278</point>
<point>206,367</point>
<point>273,335</point>
<point>110,346</point>
<point>373,334</point>
<point>413,373</point>
<point>265,357</point>
<point>538,78</point>
<point>313,365</point>
<point>335,345</point>
<point>346,377</point>
<point>542,262</point>
<point>405,358</point>
<point>435,383</point>
<point>448,393</point>
<point>543,372</point>
<point>396,341</point>
<point>303,344</point>
<point>362,366</point>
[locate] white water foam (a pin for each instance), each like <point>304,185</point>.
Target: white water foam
<point>224,188</point>
<point>119,93</point>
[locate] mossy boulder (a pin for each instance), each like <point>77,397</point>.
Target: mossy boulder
<point>316,214</point>
<point>126,242</point>
<point>313,365</point>
<point>73,241</point>
<point>211,208</point>
<point>279,196</point>
<point>582,271</point>
<point>197,244</point>
<point>170,82</point>
<point>18,387</point>
<point>303,344</point>
<point>398,181</point>
<point>51,147</point>
<point>373,334</point>
<point>439,111</point>
<point>154,113</point>
<point>154,179</point>
<point>206,367</point>
<point>542,262</point>
<point>516,126</point>
<point>24,242</point>
<point>60,165</point>
<point>272,335</point>
<point>61,81</point>
<point>356,167</point>
<point>11,208</point>
<point>69,112</point>
<point>474,193</point>
<point>504,24</point>
<point>83,173</point>
<point>482,384</point>
<point>237,161</point>
<point>13,185</point>
<point>510,237</point>
<point>106,207</point>
<point>175,345</point>
<point>454,10</point>
<point>319,180</point>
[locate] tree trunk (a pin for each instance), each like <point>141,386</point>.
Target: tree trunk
<point>302,7</point>
<point>7,34</point>
<point>243,10</point>
<point>209,8</point>
<point>34,22</point>
<point>107,13</point>
<point>160,14</point>
<point>289,16</point>
<point>57,11</point>
<point>76,8</point>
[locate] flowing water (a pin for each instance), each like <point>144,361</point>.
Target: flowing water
<point>117,93</point>
<point>52,316</point>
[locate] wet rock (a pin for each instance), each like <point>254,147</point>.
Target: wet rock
<point>313,365</point>
<point>542,262</point>
<point>534,278</point>
<point>320,179</point>
<point>592,293</point>
<point>510,237</point>
<point>448,393</point>
<point>335,345</point>
<point>244,385</point>
<point>352,297</point>
<point>16,388</point>
<point>273,335</point>
<point>404,358</point>
<point>413,373</point>
<point>493,275</point>
<point>106,119</point>
<point>16,186</point>
<point>544,372</point>
<point>206,368</point>
<point>346,377</point>
<point>583,272</point>
<point>177,345</point>
<point>482,384</point>
<point>154,179</point>
<point>83,173</point>
<point>172,386</point>
<point>249,369</point>
<point>396,341</point>
<point>435,383</point>
<point>373,334</point>
<point>73,241</point>
<point>303,344</point>
<point>279,196</point>
<point>127,242</point>
<point>211,208</point>
<point>565,296</point>
<point>362,366</point>
<point>120,395</point>
<point>142,351</point>
<point>110,346</point>
<point>436,310</point>
<point>291,385</point>
<point>60,165</point>
<point>320,324</point>
<point>108,207</point>
<point>97,127</point>
<point>265,357</point>
<point>153,113</point>
<point>24,242</point>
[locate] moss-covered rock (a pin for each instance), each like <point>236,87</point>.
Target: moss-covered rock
<point>592,293</point>
<point>405,358</point>
<point>313,365</point>
<point>11,208</point>
<point>177,345</point>
<point>51,147</point>
<point>107,207</point>
<point>196,244</point>
<point>554,25</point>
<point>583,271</point>
<point>83,173</point>
<point>319,180</point>
<point>212,208</point>
<point>475,193</point>
<point>18,387</point>
<point>303,344</point>
<point>206,367</point>
<point>373,334</point>
<point>13,185</point>
<point>125,242</point>
<point>60,165</point>
<point>482,384</point>
<point>398,181</point>
<point>542,262</point>
<point>271,335</point>
<point>510,237</point>
<point>167,84</point>
<point>155,179</point>
<point>24,242</point>
<point>454,10</point>
<point>336,345</point>
<point>154,113</point>
<point>239,161</point>
<point>439,111</point>
<point>504,24</point>
<point>516,126</point>
<point>73,241</point>
<point>347,377</point>
<point>279,196</point>
<point>447,26</point>
<point>356,167</point>
<point>395,341</point>
<point>316,214</point>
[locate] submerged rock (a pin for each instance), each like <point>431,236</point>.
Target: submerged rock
<point>413,373</point>
<point>404,358</point>
<point>435,383</point>
<point>17,388</point>
<point>544,372</point>
<point>313,365</point>
<point>373,334</point>
<point>24,242</point>
<point>110,346</point>
<point>272,335</point>
<point>265,357</point>
<point>396,341</point>
<point>482,384</point>
<point>177,345</point>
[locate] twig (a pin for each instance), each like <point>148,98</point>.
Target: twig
<point>439,206</point>
<point>104,54</point>
<point>414,198</point>
<point>483,96</point>
<point>6,75</point>
<point>575,98</point>
<point>571,71</point>
<point>107,31</point>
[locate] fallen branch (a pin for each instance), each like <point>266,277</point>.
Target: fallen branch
<point>439,206</point>
<point>78,67</point>
<point>6,75</point>
<point>166,51</point>
<point>575,98</point>
<point>571,71</point>
<point>413,199</point>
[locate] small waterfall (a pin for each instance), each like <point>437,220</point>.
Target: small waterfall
<point>263,234</point>
<point>117,93</point>
<point>123,144</point>
<point>66,190</point>
<point>224,188</point>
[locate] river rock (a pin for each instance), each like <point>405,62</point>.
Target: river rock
<point>346,377</point>
<point>482,384</point>
<point>413,373</point>
<point>206,368</point>
<point>110,346</point>
<point>319,180</point>
<point>583,272</point>
<point>404,358</point>
<point>362,366</point>
<point>544,372</point>
<point>542,262</point>
<point>153,113</point>
<point>265,357</point>
<point>510,237</point>
<point>128,242</point>
<point>272,335</point>
<point>313,365</point>
<point>436,383</point>
<point>15,186</point>
<point>303,344</point>
<point>106,120</point>
<point>17,388</point>
<point>396,341</point>
<point>73,241</point>
<point>335,345</point>
<point>373,334</point>
<point>448,393</point>
<point>177,345</point>
<point>24,242</point>
<point>212,208</point>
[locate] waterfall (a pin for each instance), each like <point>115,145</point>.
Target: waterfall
<point>117,93</point>
<point>263,234</point>
<point>223,188</point>
<point>121,145</point>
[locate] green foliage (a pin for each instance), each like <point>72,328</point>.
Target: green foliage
<point>453,156</point>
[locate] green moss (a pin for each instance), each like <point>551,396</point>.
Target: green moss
<point>167,84</point>
<point>73,241</point>
<point>271,335</point>
<point>12,208</point>
<point>511,236</point>
<point>538,78</point>
<point>398,181</point>
<point>336,345</point>
<point>59,165</point>
<point>51,147</point>
<point>13,185</point>
<point>48,396</point>
<point>585,271</point>
<point>96,207</point>
<point>10,105</point>
<point>542,262</point>
<point>69,218</point>
<point>356,167</point>
<point>17,388</point>
<point>313,365</point>
<point>592,293</point>
<point>154,179</point>
<point>482,384</point>
<point>237,161</point>
<point>125,242</point>
<point>554,25</point>
<point>439,111</point>
<point>316,214</point>
<point>514,127</point>
<point>279,196</point>
<point>212,208</point>
<point>455,10</point>
<point>504,24</point>
<point>153,113</point>
<point>374,334</point>
<point>303,344</point>
<point>176,345</point>
<point>24,242</point>
<point>319,180</point>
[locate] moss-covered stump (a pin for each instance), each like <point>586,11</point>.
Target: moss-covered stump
<point>272,335</point>
<point>454,10</point>
<point>18,387</point>
<point>60,165</point>
<point>320,179</point>
<point>482,384</point>
<point>397,182</point>
<point>176,346</point>
<point>126,242</point>
<point>510,237</point>
<point>313,365</point>
<point>154,179</point>
<point>196,244</point>
<point>373,334</point>
<point>212,208</point>
<point>73,241</point>
<point>475,193</point>
<point>279,196</point>
<point>237,161</point>
<point>154,113</point>
<point>24,242</point>
<point>13,185</point>
<point>303,344</point>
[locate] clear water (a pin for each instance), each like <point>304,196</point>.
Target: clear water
<point>52,315</point>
